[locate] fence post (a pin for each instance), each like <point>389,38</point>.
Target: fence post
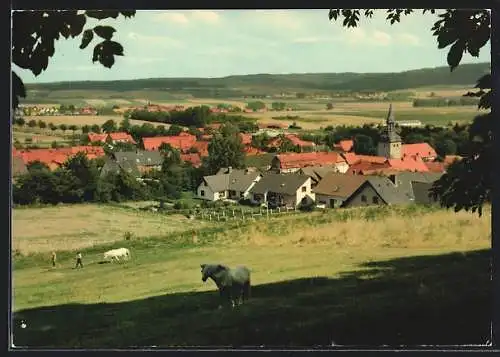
<point>267,213</point>
<point>209,217</point>
<point>218,217</point>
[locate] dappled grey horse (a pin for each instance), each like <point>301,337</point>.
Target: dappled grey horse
<point>232,283</point>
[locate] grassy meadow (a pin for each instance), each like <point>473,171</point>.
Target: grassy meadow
<point>373,276</point>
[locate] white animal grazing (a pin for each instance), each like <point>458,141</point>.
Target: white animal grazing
<point>117,254</point>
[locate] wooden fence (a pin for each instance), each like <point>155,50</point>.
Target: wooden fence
<point>240,214</point>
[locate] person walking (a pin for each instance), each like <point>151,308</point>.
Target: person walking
<point>79,260</point>
<point>54,258</point>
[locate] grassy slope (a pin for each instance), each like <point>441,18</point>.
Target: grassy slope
<point>372,277</point>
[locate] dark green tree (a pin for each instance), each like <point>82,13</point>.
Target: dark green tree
<point>174,130</point>
<point>85,172</point>
<point>466,184</point>
<point>95,129</point>
<point>226,149</point>
<point>446,147</point>
<point>363,145</point>
<point>125,125</point>
<point>109,126</point>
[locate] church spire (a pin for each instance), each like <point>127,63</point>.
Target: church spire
<point>390,116</point>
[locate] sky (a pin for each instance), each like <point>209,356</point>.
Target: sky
<point>205,43</point>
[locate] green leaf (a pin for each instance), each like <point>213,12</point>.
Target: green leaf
<point>105,32</point>
<point>455,54</point>
<point>87,37</point>
<point>484,81</point>
<point>486,100</point>
<point>76,25</point>
<point>446,37</point>
<point>116,48</point>
<point>128,14</point>
<point>101,14</point>
<point>18,90</point>
<point>334,14</point>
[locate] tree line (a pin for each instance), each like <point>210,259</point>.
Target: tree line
<point>445,102</point>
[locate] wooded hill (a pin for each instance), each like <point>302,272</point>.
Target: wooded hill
<point>465,74</point>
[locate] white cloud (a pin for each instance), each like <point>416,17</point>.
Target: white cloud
<point>170,16</point>
<point>408,39</point>
<point>210,17</point>
<point>163,41</point>
<point>381,38</point>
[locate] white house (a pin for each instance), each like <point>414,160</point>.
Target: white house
<point>291,190</point>
<point>228,185</point>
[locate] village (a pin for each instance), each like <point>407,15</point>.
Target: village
<point>332,178</point>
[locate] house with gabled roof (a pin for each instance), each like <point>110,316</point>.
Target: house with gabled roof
<point>54,158</point>
<point>193,158</point>
<point>316,173</point>
<point>114,166</point>
<point>421,150</point>
<point>97,138</point>
<point>293,162</point>
<point>294,139</point>
<point>183,142</point>
<point>145,161</point>
<point>120,137</point>
<point>345,145</point>
<point>283,190</point>
<point>231,184</point>
<point>335,188</point>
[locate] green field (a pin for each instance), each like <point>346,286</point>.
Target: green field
<point>362,276</point>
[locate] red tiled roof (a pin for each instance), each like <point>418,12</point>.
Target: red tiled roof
<point>246,139</point>
<point>249,150</point>
<point>435,166</point>
<point>122,136</point>
<point>353,158</point>
<point>182,142</point>
<point>408,164</point>
<point>202,147</point>
<point>424,150</point>
<point>364,164</point>
<point>94,137</point>
<point>297,141</point>
<point>345,145</point>
<point>206,137</point>
<point>59,156</point>
<point>299,160</point>
<point>193,158</point>
<point>275,142</point>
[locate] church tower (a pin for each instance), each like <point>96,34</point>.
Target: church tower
<point>389,145</point>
